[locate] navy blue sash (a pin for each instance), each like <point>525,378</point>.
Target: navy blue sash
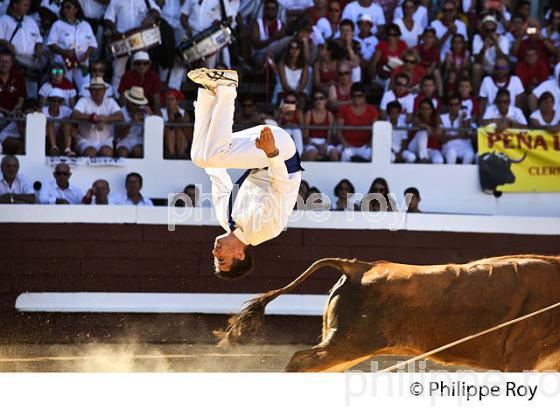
<point>293,164</point>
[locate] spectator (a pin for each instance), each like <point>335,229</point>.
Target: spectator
<point>57,80</point>
<point>355,9</point>
<point>248,116</point>
<point>301,203</point>
<point>318,11</point>
<point>328,25</point>
<point>545,49</point>
<point>498,10</point>
<point>448,25</point>
<point>469,103</point>
<point>96,135</point>
<point>410,28</point>
<point>356,144</point>
<point>289,116</point>
<point>72,42</point>
<point>414,200</point>
<point>553,86</point>
<point>516,33</point>
<point>399,138</point>
<point>317,201</point>
<point>343,191</point>
<point>426,143</point>
<point>176,139</point>
<point>339,93</point>
<point>131,136</point>
<point>98,194</point>
<point>487,47</point>
<point>122,16</point>
<point>387,54</point>
<point>20,34</point>
<point>133,195</point>
<point>551,31</point>
<point>59,191</point>
<point>457,63</point>
<point>295,9</point>
<point>429,52</point>
<point>530,71</point>
<point>141,75</point>
<point>15,188</point>
<point>293,73</point>
<point>58,133</point>
<point>411,68</point>
<point>378,198</point>
<point>266,32</point>
<point>457,144</point>
<point>420,14</point>
<point>428,90</point>
<point>400,93</point>
<point>523,8</point>
<point>97,69</point>
<point>546,117</point>
<point>351,46</point>
<point>500,79</point>
<point>368,41</point>
<point>325,68</point>
<point>12,86</point>
<point>503,114</point>
<point>12,138</point>
<point>319,144</point>
<point>192,192</point>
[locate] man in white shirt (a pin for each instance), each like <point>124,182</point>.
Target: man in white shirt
<point>400,93</point>
<point>503,114</point>
<point>15,188</point>
<point>133,195</point>
<point>552,86</point>
<point>60,191</point>
<point>269,187</point>
<point>355,9</point>
<point>457,143</point>
<point>122,16</point>
<point>448,25</point>
<point>96,135</point>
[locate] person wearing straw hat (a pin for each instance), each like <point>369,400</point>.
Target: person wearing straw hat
<point>131,136</point>
<point>142,75</point>
<point>56,110</point>
<point>97,114</point>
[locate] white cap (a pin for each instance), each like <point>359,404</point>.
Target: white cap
<point>365,17</point>
<point>489,19</point>
<point>55,93</point>
<point>141,56</point>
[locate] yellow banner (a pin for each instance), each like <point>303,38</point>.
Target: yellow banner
<point>523,160</point>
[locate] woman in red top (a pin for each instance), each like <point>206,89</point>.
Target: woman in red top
<point>325,68</point>
<point>457,63</point>
<point>356,144</point>
<point>318,142</point>
<point>426,143</point>
<point>386,51</point>
<point>339,93</point>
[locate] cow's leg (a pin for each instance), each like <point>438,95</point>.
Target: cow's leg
<point>550,362</point>
<point>323,358</point>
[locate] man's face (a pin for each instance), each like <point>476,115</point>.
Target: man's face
<point>271,11</point>
<point>429,39</point>
<point>489,28</point>
<point>428,88</point>
<point>133,185</point>
<point>10,168</point>
<point>225,250</point>
<point>346,32</point>
<point>449,11</point>
<point>531,57</point>
<point>465,89</point>
<point>425,110</point>
<point>21,7</point>
<point>54,103</point>
<point>454,106</point>
<point>394,115</point>
<point>142,66</point>
<point>547,105</point>
<point>62,175</point>
<point>401,86</point>
<point>100,190</point>
<point>97,94</point>
<point>365,26</point>
<point>247,108</point>
<point>5,64</point>
<point>502,102</point>
<point>334,11</point>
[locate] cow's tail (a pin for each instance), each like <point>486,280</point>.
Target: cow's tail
<point>246,323</point>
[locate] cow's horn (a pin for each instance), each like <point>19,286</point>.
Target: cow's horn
<point>517,161</point>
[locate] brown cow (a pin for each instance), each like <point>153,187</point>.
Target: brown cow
<point>385,308</point>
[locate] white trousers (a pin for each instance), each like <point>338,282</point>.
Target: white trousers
<point>459,148</point>
<point>216,146</point>
<point>419,146</point>
<point>364,152</point>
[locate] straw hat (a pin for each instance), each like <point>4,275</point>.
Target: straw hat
<point>136,96</point>
<point>96,82</point>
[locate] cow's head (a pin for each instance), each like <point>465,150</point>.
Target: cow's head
<point>495,169</point>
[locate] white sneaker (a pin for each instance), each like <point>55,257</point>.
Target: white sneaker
<point>212,78</point>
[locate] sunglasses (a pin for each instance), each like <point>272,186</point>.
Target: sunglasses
<point>56,71</point>
<point>344,73</point>
<point>62,174</point>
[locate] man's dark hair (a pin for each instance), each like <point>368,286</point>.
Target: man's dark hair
<point>402,75</point>
<point>502,92</point>
<point>545,96</point>
<point>7,53</point>
<point>412,190</point>
<point>394,105</point>
<point>134,174</point>
<point>453,97</point>
<point>357,87</point>
<point>429,30</point>
<point>339,185</point>
<point>428,77</point>
<point>347,22</point>
<point>239,268</point>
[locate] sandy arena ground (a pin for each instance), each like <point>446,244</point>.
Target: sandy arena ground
<point>105,357</point>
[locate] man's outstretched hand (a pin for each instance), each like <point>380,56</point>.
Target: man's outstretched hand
<point>265,142</point>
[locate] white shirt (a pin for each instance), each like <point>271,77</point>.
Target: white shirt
<point>447,122</point>
<point>50,192</point>
<point>406,101</point>
<point>551,86</point>
<point>128,14</point>
<point>26,37</point>
<point>89,131</point>
<point>440,29</point>
<point>353,10</point>
<point>136,130</point>
<point>78,37</point>
<point>10,131</point>
<point>513,113</point>
<point>68,93</point>
<point>92,9</point>
<point>123,199</point>
<point>367,45</point>
<point>490,54</point>
<point>20,186</point>
<point>202,14</point>
<point>296,4</point>
<point>489,89</point>
<point>4,7</point>
<point>398,136</point>
<point>171,12</point>
<point>263,204</point>
<point>538,116</point>
<point>63,112</point>
<point>420,16</point>
<point>409,37</point>
<point>325,28</point>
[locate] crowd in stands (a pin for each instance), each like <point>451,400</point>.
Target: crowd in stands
<point>436,69</point>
